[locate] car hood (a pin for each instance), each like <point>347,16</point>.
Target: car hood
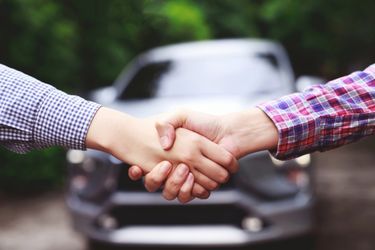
<point>211,105</point>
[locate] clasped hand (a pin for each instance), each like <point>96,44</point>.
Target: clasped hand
<point>199,162</point>
<point>189,153</point>
<point>183,181</point>
<point>238,133</point>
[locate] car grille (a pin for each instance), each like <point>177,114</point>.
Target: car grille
<point>124,183</point>
<point>168,215</point>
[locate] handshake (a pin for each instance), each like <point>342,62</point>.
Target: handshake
<point>187,153</point>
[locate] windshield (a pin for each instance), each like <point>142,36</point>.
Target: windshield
<point>213,76</point>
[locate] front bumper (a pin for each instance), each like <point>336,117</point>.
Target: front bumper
<point>281,219</point>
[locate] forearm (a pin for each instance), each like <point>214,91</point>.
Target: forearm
<point>130,139</point>
<point>113,132</point>
<point>36,115</point>
<point>251,131</point>
<point>324,116</point>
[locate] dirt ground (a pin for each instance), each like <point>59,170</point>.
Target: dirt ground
<point>38,223</point>
<point>345,185</point>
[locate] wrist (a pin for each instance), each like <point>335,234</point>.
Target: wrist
<point>105,127</point>
<point>125,137</point>
<point>252,130</point>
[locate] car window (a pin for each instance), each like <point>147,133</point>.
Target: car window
<point>145,82</point>
<point>240,75</point>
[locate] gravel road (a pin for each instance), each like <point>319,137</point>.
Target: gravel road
<point>345,185</point>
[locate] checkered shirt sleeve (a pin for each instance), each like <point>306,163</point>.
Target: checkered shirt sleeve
<point>324,116</point>
<point>35,115</point>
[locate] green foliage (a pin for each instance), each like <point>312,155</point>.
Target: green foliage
<point>323,37</point>
<point>40,40</point>
<point>185,21</point>
<point>84,44</point>
<point>31,172</point>
<point>228,19</point>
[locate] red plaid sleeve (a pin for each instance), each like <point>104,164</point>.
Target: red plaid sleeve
<point>324,116</point>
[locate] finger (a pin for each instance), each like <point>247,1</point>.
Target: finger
<point>200,192</point>
<point>135,173</point>
<point>204,181</point>
<point>156,178</point>
<point>184,195</point>
<point>220,156</point>
<point>175,181</point>
<point>167,126</point>
<point>167,134</point>
<point>213,171</point>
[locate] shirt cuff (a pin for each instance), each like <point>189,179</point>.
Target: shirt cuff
<point>63,120</point>
<point>296,123</point>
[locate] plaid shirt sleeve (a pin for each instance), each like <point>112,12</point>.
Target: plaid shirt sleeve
<point>35,115</point>
<point>324,116</point>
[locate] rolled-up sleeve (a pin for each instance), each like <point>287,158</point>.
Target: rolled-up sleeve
<point>35,115</point>
<point>324,116</point>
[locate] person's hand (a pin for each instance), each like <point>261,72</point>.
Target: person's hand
<point>239,133</point>
<point>172,181</point>
<point>135,141</point>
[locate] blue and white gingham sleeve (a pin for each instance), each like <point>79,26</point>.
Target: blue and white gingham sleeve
<point>35,115</point>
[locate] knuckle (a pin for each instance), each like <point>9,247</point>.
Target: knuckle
<point>184,190</point>
<point>213,185</point>
<point>228,159</point>
<point>151,181</point>
<point>183,197</point>
<point>223,177</point>
<point>204,196</point>
<point>173,183</point>
<point>150,188</point>
<point>201,193</point>
<point>134,173</point>
<point>197,140</point>
<point>181,200</point>
<point>189,156</point>
<point>186,200</point>
<point>168,196</point>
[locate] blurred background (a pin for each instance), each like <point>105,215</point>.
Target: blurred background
<point>81,45</point>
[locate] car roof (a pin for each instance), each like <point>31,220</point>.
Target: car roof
<point>192,50</point>
<point>208,49</point>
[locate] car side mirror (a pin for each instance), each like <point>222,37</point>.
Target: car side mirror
<point>304,82</point>
<point>104,95</point>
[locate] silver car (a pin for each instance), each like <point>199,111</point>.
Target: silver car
<point>266,200</point>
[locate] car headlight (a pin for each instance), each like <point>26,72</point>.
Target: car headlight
<point>75,156</point>
<point>91,176</point>
<point>295,169</point>
<point>273,179</point>
<point>302,161</point>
